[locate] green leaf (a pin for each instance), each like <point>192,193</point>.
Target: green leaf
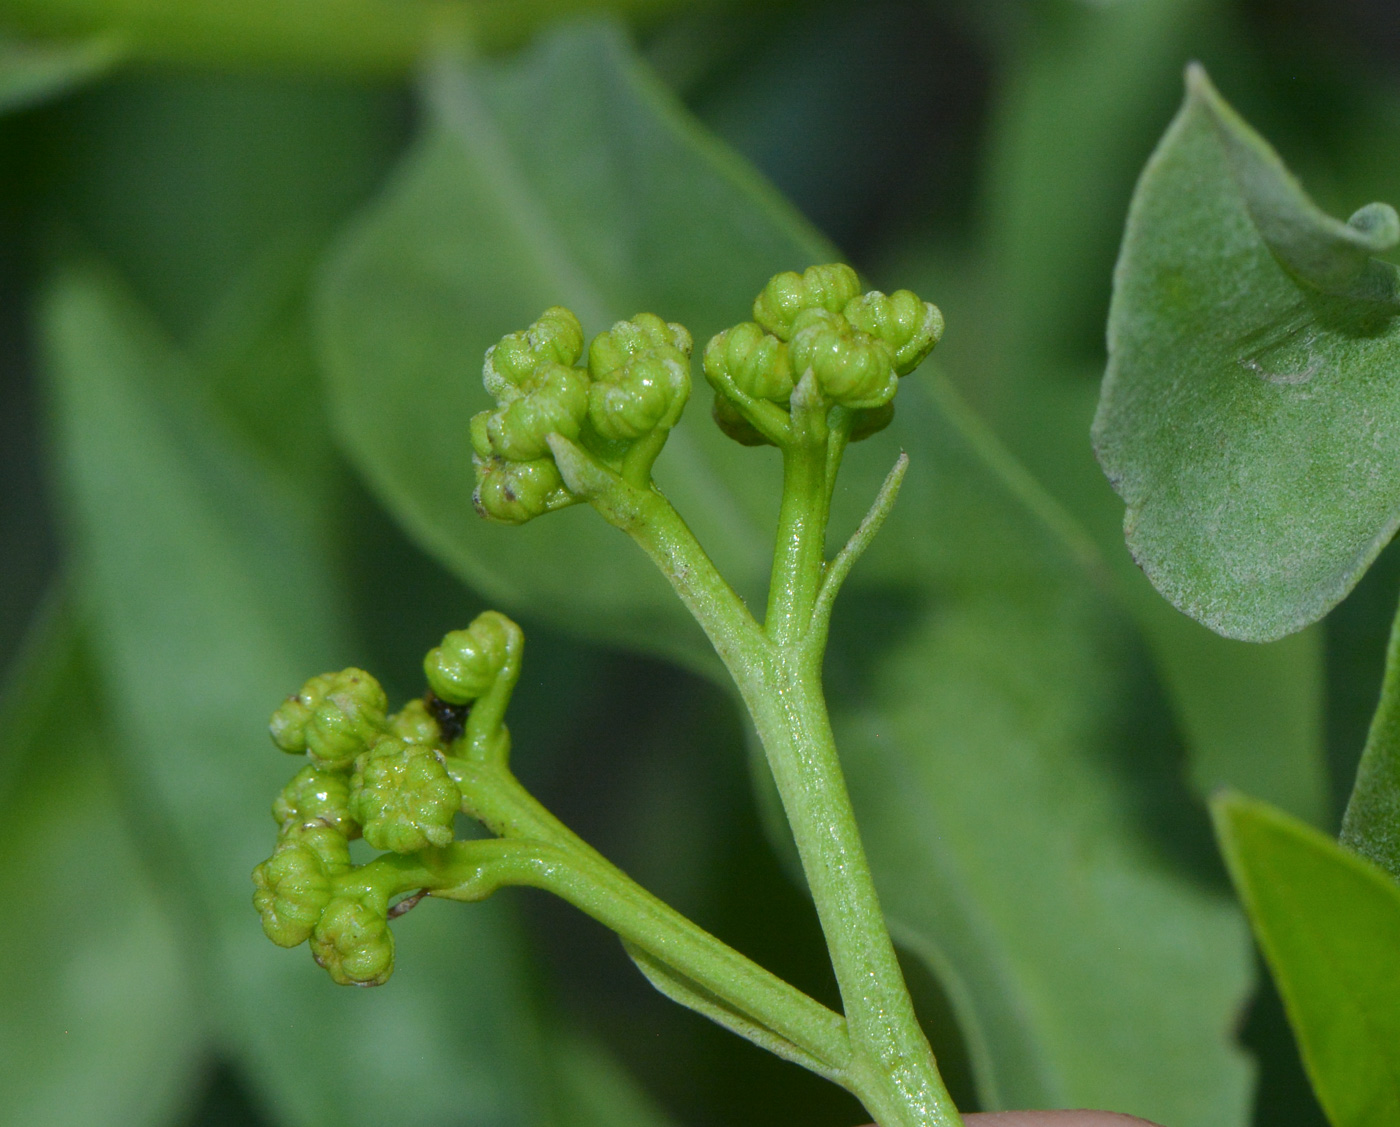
<point>593,1090</point>
<point>98,1018</point>
<point>1077,111</point>
<point>212,597</point>
<point>1371,825</point>
<point>478,235</point>
<point>1248,403</point>
<point>1002,746</point>
<point>355,37</point>
<point>32,72</point>
<point>1328,922</point>
<point>1080,109</point>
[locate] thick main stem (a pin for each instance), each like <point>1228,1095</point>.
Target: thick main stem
<point>789,711</point>
<point>777,668</point>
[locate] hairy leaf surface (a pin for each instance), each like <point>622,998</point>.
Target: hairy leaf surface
<point>1249,409</point>
<point>1329,925</point>
<point>1079,114</point>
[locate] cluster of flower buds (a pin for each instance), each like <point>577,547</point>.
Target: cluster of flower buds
<point>618,407</point>
<point>372,775</point>
<point>854,346</point>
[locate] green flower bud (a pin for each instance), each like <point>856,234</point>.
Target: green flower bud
<point>334,718</point>
<point>316,797</point>
<point>403,797</point>
<point>753,361</point>
<point>786,295</point>
<point>290,891</point>
<point>729,419</point>
<point>552,400</point>
<point>514,492</point>
<point>556,338</point>
<point>641,375</point>
<point>415,724</point>
<point>352,939</point>
<point>851,367</point>
<point>468,662</point>
<point>909,326</point>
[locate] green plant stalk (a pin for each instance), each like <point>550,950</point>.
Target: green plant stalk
<point>777,668</point>
<point>1371,824</point>
<point>544,853</point>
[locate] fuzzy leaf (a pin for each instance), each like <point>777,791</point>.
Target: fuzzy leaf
<point>1249,405</point>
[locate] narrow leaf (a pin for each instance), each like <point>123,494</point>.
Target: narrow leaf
<point>1248,404</point>
<point>1329,925</point>
<point>1371,825</point>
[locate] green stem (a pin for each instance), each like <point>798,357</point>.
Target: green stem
<point>799,551</point>
<point>536,849</point>
<point>1371,825</point>
<point>778,673</point>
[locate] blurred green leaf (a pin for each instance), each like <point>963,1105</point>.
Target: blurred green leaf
<point>480,233</point>
<point>98,1018</point>
<point>1329,925</point>
<point>212,598</point>
<point>359,37</point>
<point>1077,113</point>
<point>31,73</point>
<point>1003,752</point>
<point>593,1090</point>
<point>1247,406</point>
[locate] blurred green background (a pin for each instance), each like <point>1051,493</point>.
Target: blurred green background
<point>249,261</point>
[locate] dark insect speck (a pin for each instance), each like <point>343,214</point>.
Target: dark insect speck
<point>451,718</point>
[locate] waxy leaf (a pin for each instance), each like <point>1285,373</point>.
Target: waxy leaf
<point>98,1018</point>
<point>1328,922</point>
<point>1249,408</point>
<point>479,232</point>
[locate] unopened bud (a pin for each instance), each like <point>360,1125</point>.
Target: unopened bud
<point>403,797</point>
<point>788,294</point>
<point>333,718</point>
